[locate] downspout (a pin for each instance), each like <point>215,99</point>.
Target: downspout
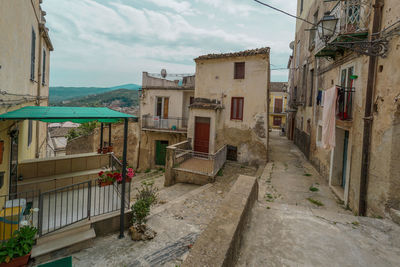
<point>368,118</point>
<point>38,87</point>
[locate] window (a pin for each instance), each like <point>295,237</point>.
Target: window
<point>33,50</point>
<point>29,132</point>
<point>237,108</point>
<point>301,6</point>
<point>277,121</point>
<point>304,87</point>
<point>298,54</point>
<point>313,32</point>
<point>44,68</point>
<point>162,107</point>
<point>239,70</point>
<point>278,105</point>
<point>310,98</point>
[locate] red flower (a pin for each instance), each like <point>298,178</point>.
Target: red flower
<point>101,173</point>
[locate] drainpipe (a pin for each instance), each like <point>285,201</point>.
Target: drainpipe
<point>368,118</point>
<point>38,88</point>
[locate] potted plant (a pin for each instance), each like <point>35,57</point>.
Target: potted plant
<point>17,250</point>
<point>105,178</point>
<point>105,150</point>
<point>129,175</point>
<point>99,150</point>
<point>110,148</point>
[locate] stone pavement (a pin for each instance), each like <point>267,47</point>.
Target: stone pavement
<point>294,226</point>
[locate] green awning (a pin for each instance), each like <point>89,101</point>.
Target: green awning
<point>62,114</point>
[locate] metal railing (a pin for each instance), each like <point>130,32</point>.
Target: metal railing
<point>198,162</point>
<point>344,104</point>
<point>169,123</point>
<point>15,209</point>
<point>74,203</point>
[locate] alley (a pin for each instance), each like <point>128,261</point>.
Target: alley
<point>297,220</point>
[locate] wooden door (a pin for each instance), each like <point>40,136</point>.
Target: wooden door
<point>202,134</point>
<point>277,121</point>
<point>166,104</point>
<point>161,152</point>
<point>278,105</point>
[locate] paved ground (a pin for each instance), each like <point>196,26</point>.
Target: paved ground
<point>183,212</point>
<point>286,229</point>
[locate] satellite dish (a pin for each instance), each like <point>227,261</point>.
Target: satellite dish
<point>163,73</point>
<point>291,45</point>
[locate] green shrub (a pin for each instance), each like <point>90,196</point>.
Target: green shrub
<point>147,192</point>
<point>140,210</point>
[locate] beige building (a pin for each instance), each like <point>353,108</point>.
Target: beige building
<point>231,105</point>
<point>363,168</point>
<point>24,81</point>
<point>164,111</point>
<point>278,98</point>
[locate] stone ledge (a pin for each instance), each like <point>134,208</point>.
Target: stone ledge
<point>219,244</point>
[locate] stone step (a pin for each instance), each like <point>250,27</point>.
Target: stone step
<point>68,240</point>
<point>69,230</point>
<point>395,214</point>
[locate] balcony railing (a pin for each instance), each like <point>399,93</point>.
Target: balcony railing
<point>344,104</point>
<point>164,124</point>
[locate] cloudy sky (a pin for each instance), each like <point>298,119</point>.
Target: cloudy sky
<point>110,42</point>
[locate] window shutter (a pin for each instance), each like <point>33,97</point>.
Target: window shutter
<point>237,108</point>
<point>33,49</point>
<point>239,70</point>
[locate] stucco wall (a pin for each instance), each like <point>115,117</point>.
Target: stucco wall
<point>215,80</point>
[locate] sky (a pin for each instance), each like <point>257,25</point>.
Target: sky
<point>111,42</point>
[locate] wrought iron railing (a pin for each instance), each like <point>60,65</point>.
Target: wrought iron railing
<point>344,103</point>
<point>169,123</point>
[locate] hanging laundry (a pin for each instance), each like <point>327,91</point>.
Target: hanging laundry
<point>319,97</point>
<point>329,119</point>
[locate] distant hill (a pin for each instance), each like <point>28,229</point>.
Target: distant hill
<point>59,94</point>
<point>118,97</point>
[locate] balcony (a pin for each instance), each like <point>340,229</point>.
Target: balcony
<point>352,25</point>
<point>184,165</point>
<point>169,124</point>
<point>344,103</point>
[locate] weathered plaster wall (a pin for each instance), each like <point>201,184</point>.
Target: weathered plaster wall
<point>215,80</point>
<point>148,146</point>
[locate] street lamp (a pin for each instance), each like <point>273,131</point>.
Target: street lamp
<point>326,27</point>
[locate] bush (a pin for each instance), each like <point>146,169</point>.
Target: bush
<point>147,192</point>
<point>140,210</point>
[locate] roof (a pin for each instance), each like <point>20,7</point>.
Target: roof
<point>278,87</point>
<point>252,52</point>
<point>61,114</point>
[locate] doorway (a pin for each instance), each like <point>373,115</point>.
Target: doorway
<point>202,134</point>
<point>161,152</point>
<point>13,162</point>
<point>345,149</point>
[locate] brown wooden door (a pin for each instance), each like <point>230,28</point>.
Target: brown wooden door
<point>278,105</point>
<point>202,134</point>
<point>277,121</point>
<point>166,105</point>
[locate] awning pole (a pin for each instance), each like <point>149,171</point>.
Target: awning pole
<point>122,216</point>
<point>101,136</point>
<point>109,134</point>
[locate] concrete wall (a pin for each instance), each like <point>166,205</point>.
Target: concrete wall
<point>87,144</point>
<point>17,19</point>
<point>383,186</point>
<point>215,80</point>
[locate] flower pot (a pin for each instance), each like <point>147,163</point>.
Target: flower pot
<point>102,184</point>
<point>16,262</point>
<point>110,149</point>
<point>128,180</point>
<point>99,150</point>
<point>105,150</point>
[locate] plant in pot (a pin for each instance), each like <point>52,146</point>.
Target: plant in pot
<point>145,198</point>
<point>105,178</point>
<point>17,250</point>
<point>129,175</point>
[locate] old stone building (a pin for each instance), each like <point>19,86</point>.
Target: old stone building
<point>231,105</point>
<point>164,111</point>
<point>352,56</point>
<point>24,81</point>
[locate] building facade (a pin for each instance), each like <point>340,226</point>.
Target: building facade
<point>164,111</point>
<point>231,105</point>
<point>361,80</point>
<point>24,81</point>
<point>278,97</point>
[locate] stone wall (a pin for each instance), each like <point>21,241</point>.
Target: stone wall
<point>87,144</point>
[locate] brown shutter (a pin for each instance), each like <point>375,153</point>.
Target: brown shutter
<point>237,108</point>
<point>166,103</point>
<point>239,70</point>
<point>278,105</point>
